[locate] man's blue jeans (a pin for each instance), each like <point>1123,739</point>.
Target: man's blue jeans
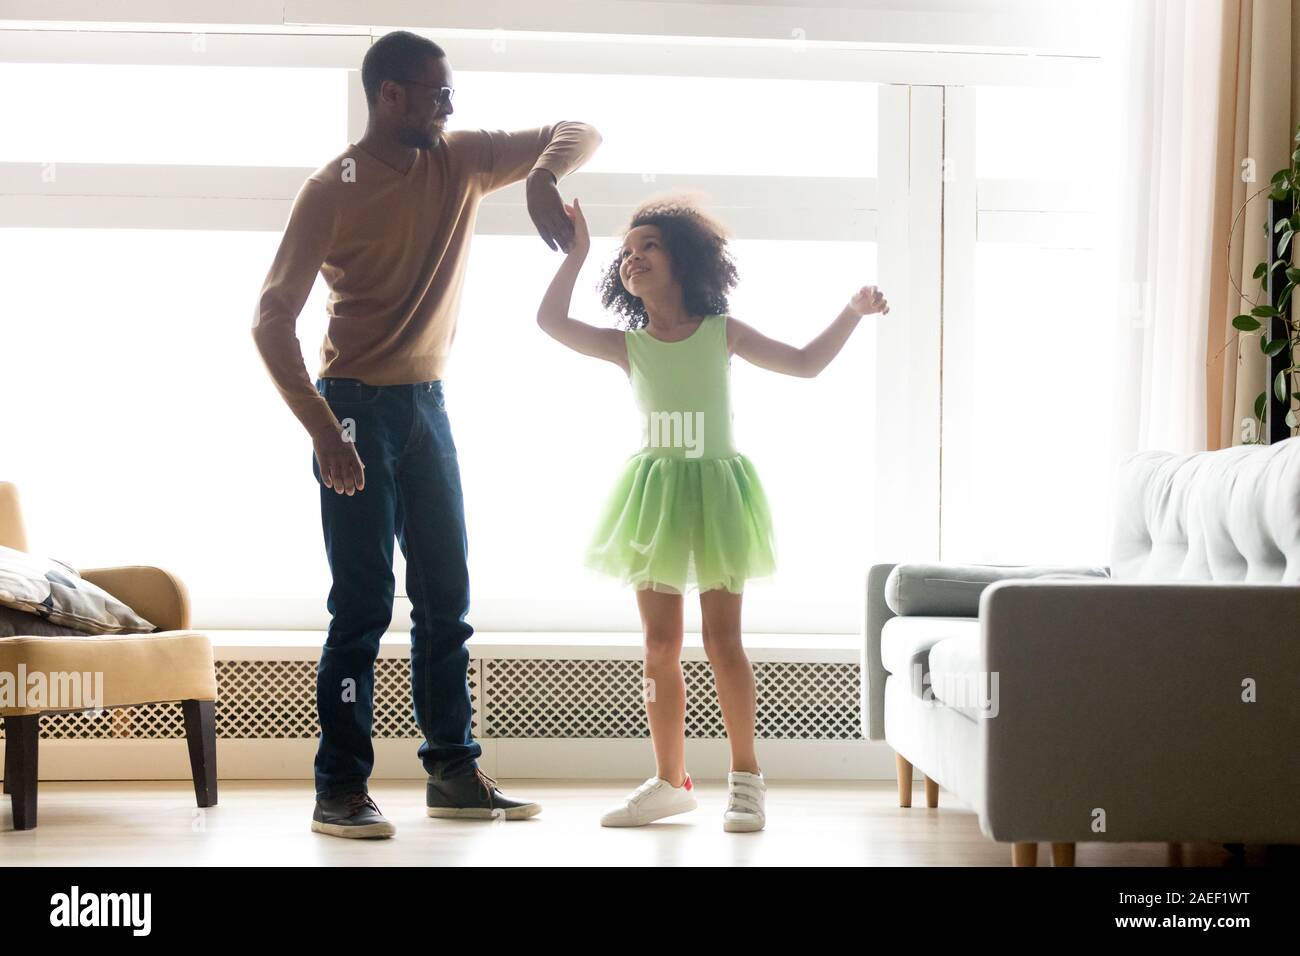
<point>412,494</point>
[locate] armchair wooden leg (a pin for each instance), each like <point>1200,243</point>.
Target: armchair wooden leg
<point>1024,854</point>
<point>931,793</point>
<point>904,771</point>
<point>1062,854</point>
<point>201,736</point>
<point>1173,854</point>
<point>22,736</point>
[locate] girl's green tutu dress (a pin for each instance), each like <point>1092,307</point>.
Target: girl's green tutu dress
<point>688,509</point>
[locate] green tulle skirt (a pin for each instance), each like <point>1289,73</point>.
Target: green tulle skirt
<point>673,523</point>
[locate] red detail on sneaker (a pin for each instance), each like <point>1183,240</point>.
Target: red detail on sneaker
<point>688,783</point>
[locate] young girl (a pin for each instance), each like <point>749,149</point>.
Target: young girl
<point>688,508</point>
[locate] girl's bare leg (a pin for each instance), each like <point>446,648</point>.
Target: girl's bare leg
<point>732,674</point>
<point>665,692</point>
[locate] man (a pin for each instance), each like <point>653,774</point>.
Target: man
<point>388,224</point>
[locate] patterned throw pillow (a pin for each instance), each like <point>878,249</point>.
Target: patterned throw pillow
<point>54,591</point>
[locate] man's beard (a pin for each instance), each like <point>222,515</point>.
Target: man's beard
<point>417,138</point>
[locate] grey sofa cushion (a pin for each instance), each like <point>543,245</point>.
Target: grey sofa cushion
<point>906,641</point>
<point>953,590</point>
<point>957,680</point>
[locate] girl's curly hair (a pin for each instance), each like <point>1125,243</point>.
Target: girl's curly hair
<point>696,244</point>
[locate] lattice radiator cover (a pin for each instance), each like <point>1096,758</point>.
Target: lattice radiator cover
<point>512,698</point>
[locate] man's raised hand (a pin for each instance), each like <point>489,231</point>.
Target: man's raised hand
<point>546,209</point>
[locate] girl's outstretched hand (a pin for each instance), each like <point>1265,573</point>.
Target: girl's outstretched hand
<point>581,235</point>
<point>869,299</point>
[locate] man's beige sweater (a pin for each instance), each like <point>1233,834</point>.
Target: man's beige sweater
<point>392,247</point>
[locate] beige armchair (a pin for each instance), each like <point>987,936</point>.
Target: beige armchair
<point>174,664</point>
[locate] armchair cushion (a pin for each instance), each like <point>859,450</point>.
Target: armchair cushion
<point>56,592</point>
<point>104,671</point>
<point>953,590</point>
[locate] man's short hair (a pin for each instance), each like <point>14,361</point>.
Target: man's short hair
<point>395,56</point>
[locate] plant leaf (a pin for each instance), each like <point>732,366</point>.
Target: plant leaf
<point>1245,323</point>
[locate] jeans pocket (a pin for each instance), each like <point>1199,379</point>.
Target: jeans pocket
<point>432,393</point>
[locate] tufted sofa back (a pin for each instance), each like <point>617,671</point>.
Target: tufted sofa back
<point>1227,515</point>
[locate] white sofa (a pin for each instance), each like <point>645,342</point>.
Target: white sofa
<point>1154,700</point>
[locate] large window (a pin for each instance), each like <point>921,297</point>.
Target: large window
<point>700,125</point>
<point>155,434</point>
<point>159,114</point>
<point>1027,366</point>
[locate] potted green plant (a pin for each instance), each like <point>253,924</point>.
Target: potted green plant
<point>1283,188</point>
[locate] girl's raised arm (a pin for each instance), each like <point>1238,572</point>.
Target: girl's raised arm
<point>755,347</point>
<point>553,313</point>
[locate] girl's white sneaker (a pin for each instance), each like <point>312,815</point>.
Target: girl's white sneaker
<point>744,812</point>
<point>653,800</point>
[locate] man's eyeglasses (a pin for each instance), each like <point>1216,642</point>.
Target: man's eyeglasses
<point>443,93</point>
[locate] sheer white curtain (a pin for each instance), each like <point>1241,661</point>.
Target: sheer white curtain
<point>1162,83</point>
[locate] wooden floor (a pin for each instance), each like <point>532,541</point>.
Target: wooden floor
<point>268,822</point>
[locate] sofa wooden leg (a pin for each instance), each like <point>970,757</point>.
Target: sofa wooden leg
<point>22,737</point>
<point>1062,854</point>
<point>931,793</point>
<point>904,771</point>
<point>1024,854</point>
<point>1173,854</point>
<point>201,736</point>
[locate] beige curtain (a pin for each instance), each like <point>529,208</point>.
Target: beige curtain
<point>1258,110</point>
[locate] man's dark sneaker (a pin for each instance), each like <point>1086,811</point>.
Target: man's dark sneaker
<point>352,815</point>
<point>474,796</point>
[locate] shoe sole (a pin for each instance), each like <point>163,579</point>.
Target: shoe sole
<point>737,826</point>
<point>642,821</point>
<point>484,813</point>
<point>369,832</point>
